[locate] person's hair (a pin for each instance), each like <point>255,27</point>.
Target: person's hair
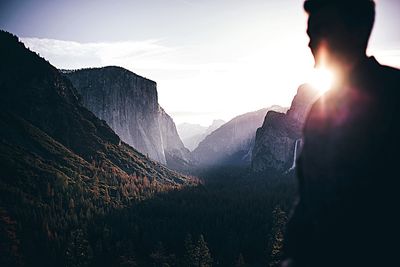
<point>358,15</point>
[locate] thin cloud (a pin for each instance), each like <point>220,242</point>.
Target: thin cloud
<point>70,54</point>
<point>133,55</point>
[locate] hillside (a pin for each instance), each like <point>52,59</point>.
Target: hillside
<point>60,165</point>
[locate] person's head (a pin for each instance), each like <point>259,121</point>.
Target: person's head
<point>339,30</point>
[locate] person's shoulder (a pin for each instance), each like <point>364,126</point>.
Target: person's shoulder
<point>325,100</point>
<point>319,112</point>
<point>391,72</point>
<point>388,73</point>
<point>390,83</point>
<point>390,69</point>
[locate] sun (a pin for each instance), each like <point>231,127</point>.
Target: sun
<point>322,79</point>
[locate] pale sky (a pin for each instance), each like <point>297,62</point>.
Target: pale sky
<point>211,59</point>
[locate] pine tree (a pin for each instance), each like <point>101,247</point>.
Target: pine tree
<point>240,261</point>
<point>159,256</point>
<point>205,259</point>
<point>190,257</point>
<point>78,252</point>
<point>127,261</point>
<point>275,243</point>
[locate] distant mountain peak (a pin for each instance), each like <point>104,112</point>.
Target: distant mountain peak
<point>232,142</point>
<point>193,134</point>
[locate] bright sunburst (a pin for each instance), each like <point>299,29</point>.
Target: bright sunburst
<point>322,79</point>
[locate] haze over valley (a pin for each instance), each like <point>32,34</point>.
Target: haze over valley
<point>76,171</point>
<point>155,133</point>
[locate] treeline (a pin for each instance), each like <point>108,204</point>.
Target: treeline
<point>73,194</point>
<point>230,220</point>
<point>240,218</point>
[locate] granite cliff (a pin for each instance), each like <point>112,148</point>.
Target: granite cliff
<point>128,103</point>
<point>232,143</point>
<point>278,142</point>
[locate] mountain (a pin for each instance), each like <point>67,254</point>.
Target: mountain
<point>187,130</point>
<point>60,166</point>
<point>279,140</point>
<point>193,134</point>
<point>177,156</point>
<point>231,143</point>
<point>128,103</point>
<point>214,126</point>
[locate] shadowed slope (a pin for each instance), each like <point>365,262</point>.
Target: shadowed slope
<point>60,165</point>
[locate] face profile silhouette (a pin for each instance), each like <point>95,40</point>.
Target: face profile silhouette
<point>339,30</point>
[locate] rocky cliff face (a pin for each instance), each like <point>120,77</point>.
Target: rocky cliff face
<point>280,135</point>
<point>129,105</point>
<point>231,143</point>
<point>177,156</point>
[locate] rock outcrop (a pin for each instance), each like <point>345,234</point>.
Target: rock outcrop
<point>129,105</point>
<point>177,156</point>
<point>278,141</point>
<point>232,143</point>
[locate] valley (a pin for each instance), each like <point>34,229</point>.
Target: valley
<point>94,172</point>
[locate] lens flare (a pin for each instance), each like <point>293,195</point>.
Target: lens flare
<point>322,79</point>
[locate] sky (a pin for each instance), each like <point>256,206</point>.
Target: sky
<point>211,59</point>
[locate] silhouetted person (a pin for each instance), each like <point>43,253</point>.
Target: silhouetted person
<point>348,207</point>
